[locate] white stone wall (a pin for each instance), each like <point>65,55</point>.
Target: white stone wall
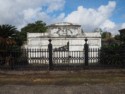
<point>75,43</point>
<point>68,33</point>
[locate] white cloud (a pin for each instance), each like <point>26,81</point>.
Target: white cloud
<point>93,18</point>
<point>123,26</point>
<point>108,25</point>
<point>55,5</point>
<point>21,12</point>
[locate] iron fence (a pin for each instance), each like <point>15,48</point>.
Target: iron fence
<point>38,59</point>
<point>94,55</point>
<point>49,59</point>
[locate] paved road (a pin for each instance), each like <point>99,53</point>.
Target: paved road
<point>55,89</point>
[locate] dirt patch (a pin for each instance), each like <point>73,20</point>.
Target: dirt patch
<point>62,77</point>
<point>63,82</point>
<point>57,89</point>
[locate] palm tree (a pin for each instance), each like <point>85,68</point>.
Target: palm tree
<point>7,33</point>
<point>8,41</point>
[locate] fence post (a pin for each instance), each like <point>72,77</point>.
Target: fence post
<point>86,49</point>
<point>50,55</point>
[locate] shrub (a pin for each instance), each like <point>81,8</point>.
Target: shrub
<point>111,55</point>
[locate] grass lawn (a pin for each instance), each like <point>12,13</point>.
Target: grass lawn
<point>114,76</point>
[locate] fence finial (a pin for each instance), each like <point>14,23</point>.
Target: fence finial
<point>49,40</point>
<point>86,40</point>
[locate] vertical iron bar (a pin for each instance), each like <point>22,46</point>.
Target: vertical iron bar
<point>86,49</point>
<point>50,55</point>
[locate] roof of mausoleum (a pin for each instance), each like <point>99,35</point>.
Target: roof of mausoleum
<point>64,24</point>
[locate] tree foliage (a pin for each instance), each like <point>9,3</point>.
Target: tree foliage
<point>106,35</point>
<point>111,55</point>
<point>9,36</point>
<point>37,27</point>
<point>9,41</point>
<point>117,37</point>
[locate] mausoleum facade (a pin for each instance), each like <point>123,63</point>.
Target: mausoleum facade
<point>64,35</point>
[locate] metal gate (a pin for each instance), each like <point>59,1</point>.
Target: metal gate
<point>68,57</point>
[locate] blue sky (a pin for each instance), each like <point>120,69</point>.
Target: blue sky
<point>108,15</point>
<point>118,14</point>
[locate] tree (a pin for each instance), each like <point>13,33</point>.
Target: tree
<point>37,27</point>
<point>117,37</point>
<point>9,36</point>
<point>111,55</point>
<point>106,35</point>
<point>9,41</point>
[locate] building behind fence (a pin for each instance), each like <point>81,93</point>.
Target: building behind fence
<point>50,57</point>
<point>63,34</point>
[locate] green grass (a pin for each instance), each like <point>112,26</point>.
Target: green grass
<point>63,78</point>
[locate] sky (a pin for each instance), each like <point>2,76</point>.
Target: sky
<point>109,15</point>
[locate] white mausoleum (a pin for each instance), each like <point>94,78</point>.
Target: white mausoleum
<point>62,34</point>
